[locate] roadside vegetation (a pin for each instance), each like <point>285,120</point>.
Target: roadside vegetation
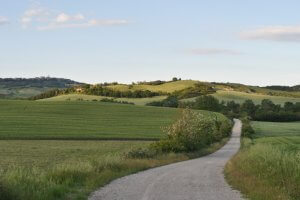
<point>268,164</point>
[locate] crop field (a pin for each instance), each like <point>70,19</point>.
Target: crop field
<point>166,87</point>
<point>50,153</point>
<point>268,166</point>
<point>240,97</point>
<point>81,120</point>
<point>74,162</point>
<point>76,97</point>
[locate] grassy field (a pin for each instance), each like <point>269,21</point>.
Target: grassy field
<point>81,120</point>
<point>59,170</point>
<point>268,166</point>
<point>72,169</point>
<point>76,97</point>
<point>240,97</point>
<point>49,153</point>
<point>166,87</point>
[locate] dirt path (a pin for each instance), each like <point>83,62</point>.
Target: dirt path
<point>198,179</point>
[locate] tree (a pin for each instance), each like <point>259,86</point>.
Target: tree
<point>249,107</point>
<point>289,107</point>
<point>207,103</point>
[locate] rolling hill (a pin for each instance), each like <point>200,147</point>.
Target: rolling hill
<point>11,88</point>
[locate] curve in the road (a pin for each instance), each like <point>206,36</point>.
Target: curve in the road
<point>198,179</point>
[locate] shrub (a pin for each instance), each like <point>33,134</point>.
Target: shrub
<point>171,101</point>
<point>192,131</point>
<point>247,130</point>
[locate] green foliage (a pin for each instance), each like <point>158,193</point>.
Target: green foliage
<point>114,101</point>
<point>247,130</point>
<point>191,132</point>
<point>170,101</point>
<point>203,103</point>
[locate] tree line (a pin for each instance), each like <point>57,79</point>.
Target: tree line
<point>265,111</point>
<point>98,90</point>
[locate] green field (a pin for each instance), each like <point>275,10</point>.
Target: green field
<point>46,154</point>
<point>84,97</point>
<point>268,166</point>
<point>81,120</point>
<point>240,97</point>
<point>33,169</point>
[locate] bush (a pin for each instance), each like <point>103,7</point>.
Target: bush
<point>191,132</point>
<point>114,101</point>
<point>247,130</point>
<point>171,101</point>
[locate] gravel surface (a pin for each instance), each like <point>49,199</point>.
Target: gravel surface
<point>198,179</point>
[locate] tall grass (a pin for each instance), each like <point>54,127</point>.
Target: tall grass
<point>267,168</point>
<point>77,181</point>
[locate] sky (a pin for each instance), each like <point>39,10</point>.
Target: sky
<point>251,41</point>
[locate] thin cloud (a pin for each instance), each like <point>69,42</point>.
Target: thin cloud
<point>3,20</point>
<point>35,14</point>
<point>44,19</point>
<point>274,33</point>
<point>213,51</point>
<point>89,23</point>
<point>64,18</point>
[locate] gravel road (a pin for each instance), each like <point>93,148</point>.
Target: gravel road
<point>198,179</point>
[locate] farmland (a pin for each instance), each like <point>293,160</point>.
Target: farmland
<point>268,166</point>
<point>71,160</point>
<point>81,120</point>
<point>240,97</point>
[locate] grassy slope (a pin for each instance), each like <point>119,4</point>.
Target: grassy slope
<point>166,87</point>
<point>22,92</point>
<point>240,97</point>
<point>268,167</point>
<point>81,120</point>
<point>74,97</point>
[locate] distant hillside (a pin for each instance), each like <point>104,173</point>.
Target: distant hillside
<point>295,88</point>
<point>182,89</point>
<point>24,88</point>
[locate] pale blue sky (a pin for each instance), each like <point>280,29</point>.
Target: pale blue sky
<point>251,41</point>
